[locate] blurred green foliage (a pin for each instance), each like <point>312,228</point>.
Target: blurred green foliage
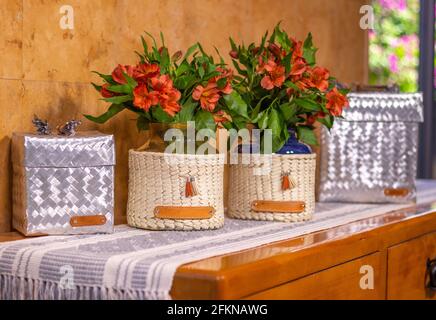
<point>394,44</point>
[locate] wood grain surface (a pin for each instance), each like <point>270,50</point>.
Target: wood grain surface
<point>45,70</point>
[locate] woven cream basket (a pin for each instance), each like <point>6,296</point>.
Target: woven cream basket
<point>158,180</point>
<point>258,185</point>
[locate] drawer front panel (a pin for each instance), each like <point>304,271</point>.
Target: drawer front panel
<point>407,268</point>
<point>358,279</point>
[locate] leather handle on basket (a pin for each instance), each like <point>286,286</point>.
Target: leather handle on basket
<point>183,213</point>
<point>86,221</point>
<point>278,206</point>
<point>396,192</point>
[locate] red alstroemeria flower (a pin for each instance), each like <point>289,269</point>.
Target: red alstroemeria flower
<point>168,95</point>
<point>169,101</point>
<point>297,49</point>
<point>298,68</point>
<point>105,93</point>
<point>221,117</point>
<point>144,99</point>
<point>319,78</point>
<point>336,102</point>
<point>276,75</point>
<point>275,50</point>
<point>225,73</point>
<point>118,75</point>
<point>144,71</point>
<point>162,83</point>
<point>208,96</point>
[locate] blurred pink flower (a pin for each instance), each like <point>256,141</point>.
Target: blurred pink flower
<point>393,63</point>
<point>394,4</point>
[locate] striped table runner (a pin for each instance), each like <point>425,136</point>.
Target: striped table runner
<point>139,264</point>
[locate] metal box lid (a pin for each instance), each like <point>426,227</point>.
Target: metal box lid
<point>384,107</point>
<point>85,149</point>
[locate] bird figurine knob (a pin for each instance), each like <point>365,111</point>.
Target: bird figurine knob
<point>69,128</point>
<point>42,126</point>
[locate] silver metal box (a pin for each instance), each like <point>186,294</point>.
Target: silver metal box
<point>370,156</point>
<point>63,185</point>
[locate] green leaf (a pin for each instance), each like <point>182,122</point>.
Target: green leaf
<point>187,112</point>
<point>123,88</point>
<point>160,115</point>
<point>130,81</point>
<point>96,87</point>
<point>288,110</point>
<point>105,77</point>
<point>309,51</point>
<point>221,83</point>
<point>144,45</point>
<point>239,69</point>
<point>201,72</point>
<point>152,38</point>
<point>185,81</point>
<point>308,43</point>
<point>307,104</point>
<point>162,39</point>
<point>277,125</point>
<point>327,121</point>
<point>307,135</point>
<point>165,59</point>
<point>275,122</point>
<point>118,99</point>
<point>204,119</point>
<point>287,63</point>
<point>112,111</point>
<point>190,51</point>
<point>142,123</point>
<point>255,115</point>
<point>233,45</point>
<point>236,104</point>
<point>282,38</point>
<point>263,121</point>
<point>182,68</point>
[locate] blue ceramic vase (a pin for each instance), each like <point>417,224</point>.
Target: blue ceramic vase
<point>293,146</point>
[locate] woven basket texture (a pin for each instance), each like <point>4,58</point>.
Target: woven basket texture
<point>259,177</point>
<point>159,179</point>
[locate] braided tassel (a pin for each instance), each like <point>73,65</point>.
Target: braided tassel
<point>188,188</point>
<point>194,187</point>
<point>287,182</point>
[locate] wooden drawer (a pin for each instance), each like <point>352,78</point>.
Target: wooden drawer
<point>407,278</point>
<point>340,282</point>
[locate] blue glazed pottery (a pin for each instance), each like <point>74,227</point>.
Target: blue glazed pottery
<point>293,146</point>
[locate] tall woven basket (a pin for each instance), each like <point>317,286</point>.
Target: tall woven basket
<point>273,188</point>
<point>158,198</point>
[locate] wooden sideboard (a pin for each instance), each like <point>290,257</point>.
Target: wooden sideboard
<point>378,258</point>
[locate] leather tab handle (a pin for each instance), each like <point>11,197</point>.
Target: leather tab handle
<point>183,213</point>
<point>86,221</point>
<point>400,192</point>
<point>278,206</point>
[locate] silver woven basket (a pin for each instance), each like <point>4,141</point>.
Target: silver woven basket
<point>370,156</point>
<point>63,185</point>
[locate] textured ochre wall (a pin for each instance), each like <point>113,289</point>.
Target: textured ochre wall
<point>45,70</point>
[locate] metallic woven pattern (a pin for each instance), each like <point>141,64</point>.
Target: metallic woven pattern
<point>373,150</point>
<point>81,150</point>
<point>56,178</point>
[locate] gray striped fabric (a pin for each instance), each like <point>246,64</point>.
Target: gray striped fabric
<point>139,264</point>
